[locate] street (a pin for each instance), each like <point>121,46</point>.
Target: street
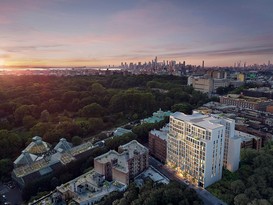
<point>206,196</point>
<point>12,195</point>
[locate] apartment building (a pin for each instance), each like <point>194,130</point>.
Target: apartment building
<point>130,160</point>
<point>196,147</point>
<point>232,144</point>
<point>158,143</point>
<point>246,102</point>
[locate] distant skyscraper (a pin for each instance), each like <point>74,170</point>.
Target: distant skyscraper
<point>203,64</point>
<point>155,62</point>
<point>269,63</point>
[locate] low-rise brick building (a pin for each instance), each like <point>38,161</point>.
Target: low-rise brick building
<point>130,160</point>
<point>246,102</point>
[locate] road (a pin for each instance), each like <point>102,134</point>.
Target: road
<point>206,196</point>
<point>12,195</point>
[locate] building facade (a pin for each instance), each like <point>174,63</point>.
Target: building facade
<point>39,159</point>
<point>204,85</point>
<point>158,143</point>
<point>246,102</point>
<point>249,141</point>
<point>232,144</point>
<point>196,146</point>
<point>130,160</point>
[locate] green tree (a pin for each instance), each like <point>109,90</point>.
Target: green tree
<point>76,140</point>
<point>40,128</point>
<point>98,89</point>
<point>29,121</point>
<point>92,110</point>
<point>6,167</point>
<point>182,107</point>
<point>20,112</point>
<point>237,186</point>
<point>241,199</point>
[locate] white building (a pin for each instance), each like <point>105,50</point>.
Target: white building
<point>196,145</point>
<point>88,189</point>
<point>232,146</point>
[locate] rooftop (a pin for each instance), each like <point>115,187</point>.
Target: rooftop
<point>262,89</point>
<point>153,174</point>
<point>112,155</point>
<point>88,182</point>
<point>81,148</point>
<point>162,133</point>
<point>63,145</point>
<point>129,150</point>
<point>121,131</point>
<point>157,116</point>
<point>63,154</point>
<point>37,146</point>
<point>246,98</point>
<point>245,136</point>
<point>134,146</point>
<point>198,119</point>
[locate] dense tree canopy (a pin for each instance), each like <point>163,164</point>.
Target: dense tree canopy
<point>56,107</point>
<point>153,194</point>
<point>252,183</point>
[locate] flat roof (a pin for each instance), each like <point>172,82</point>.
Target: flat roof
<point>198,119</point>
<point>88,178</point>
<point>161,134</point>
<point>129,150</point>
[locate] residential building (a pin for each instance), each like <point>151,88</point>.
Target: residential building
<point>246,102</point>
<point>124,165</point>
<point>196,146</point>
<point>265,92</point>
<point>269,108</point>
<point>249,141</point>
<point>232,144</point>
<point>112,172</point>
<point>86,189</point>
<point>158,143</point>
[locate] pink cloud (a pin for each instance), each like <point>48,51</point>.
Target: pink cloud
<point>10,10</point>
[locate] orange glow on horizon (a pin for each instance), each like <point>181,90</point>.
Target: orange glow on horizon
<point>56,63</point>
<point>2,62</point>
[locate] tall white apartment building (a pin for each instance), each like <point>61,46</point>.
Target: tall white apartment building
<point>196,145</point>
<point>232,146</point>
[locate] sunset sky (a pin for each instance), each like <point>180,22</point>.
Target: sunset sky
<point>103,32</point>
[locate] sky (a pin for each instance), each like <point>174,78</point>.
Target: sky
<point>108,32</point>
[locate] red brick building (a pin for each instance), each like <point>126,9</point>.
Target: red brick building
<point>246,102</point>
<point>130,160</point>
<point>158,144</point>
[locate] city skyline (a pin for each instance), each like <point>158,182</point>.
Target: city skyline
<point>97,33</point>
